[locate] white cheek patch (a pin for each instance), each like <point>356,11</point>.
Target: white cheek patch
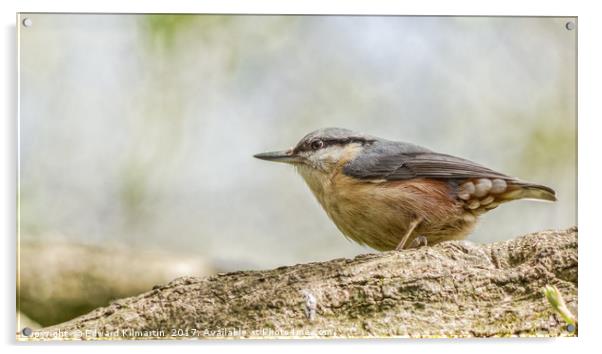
<point>326,156</point>
<point>331,155</point>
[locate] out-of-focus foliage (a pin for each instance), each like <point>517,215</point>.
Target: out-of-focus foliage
<point>163,30</point>
<point>139,129</point>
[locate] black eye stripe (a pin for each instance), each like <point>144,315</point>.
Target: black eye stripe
<point>317,144</point>
<point>308,145</point>
<point>345,141</point>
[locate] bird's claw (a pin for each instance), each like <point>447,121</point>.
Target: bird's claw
<point>419,241</point>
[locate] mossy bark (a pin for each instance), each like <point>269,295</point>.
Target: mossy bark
<point>454,289</point>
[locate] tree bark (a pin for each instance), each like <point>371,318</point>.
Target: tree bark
<point>454,289</point>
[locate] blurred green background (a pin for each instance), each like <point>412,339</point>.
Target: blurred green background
<point>137,134</point>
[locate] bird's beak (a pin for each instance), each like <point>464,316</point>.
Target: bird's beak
<point>279,156</point>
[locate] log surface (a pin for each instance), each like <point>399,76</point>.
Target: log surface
<point>456,289</point>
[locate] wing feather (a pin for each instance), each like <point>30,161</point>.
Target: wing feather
<point>398,162</point>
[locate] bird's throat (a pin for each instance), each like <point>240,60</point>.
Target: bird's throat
<point>318,182</point>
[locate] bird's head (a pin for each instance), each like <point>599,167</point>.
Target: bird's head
<point>322,150</point>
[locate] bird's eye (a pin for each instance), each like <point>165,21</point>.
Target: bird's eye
<point>317,144</point>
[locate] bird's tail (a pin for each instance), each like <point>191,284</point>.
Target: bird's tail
<point>524,190</point>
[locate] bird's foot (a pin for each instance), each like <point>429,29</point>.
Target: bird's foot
<point>411,227</point>
<point>419,241</point>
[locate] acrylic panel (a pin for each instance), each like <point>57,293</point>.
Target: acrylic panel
<point>142,212</point>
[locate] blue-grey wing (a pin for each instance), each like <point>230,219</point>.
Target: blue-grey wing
<point>400,161</point>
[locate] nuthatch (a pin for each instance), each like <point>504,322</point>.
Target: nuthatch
<point>394,195</point>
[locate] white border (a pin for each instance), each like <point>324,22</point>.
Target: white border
<point>590,115</point>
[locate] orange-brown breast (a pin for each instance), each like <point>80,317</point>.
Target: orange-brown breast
<point>378,213</point>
